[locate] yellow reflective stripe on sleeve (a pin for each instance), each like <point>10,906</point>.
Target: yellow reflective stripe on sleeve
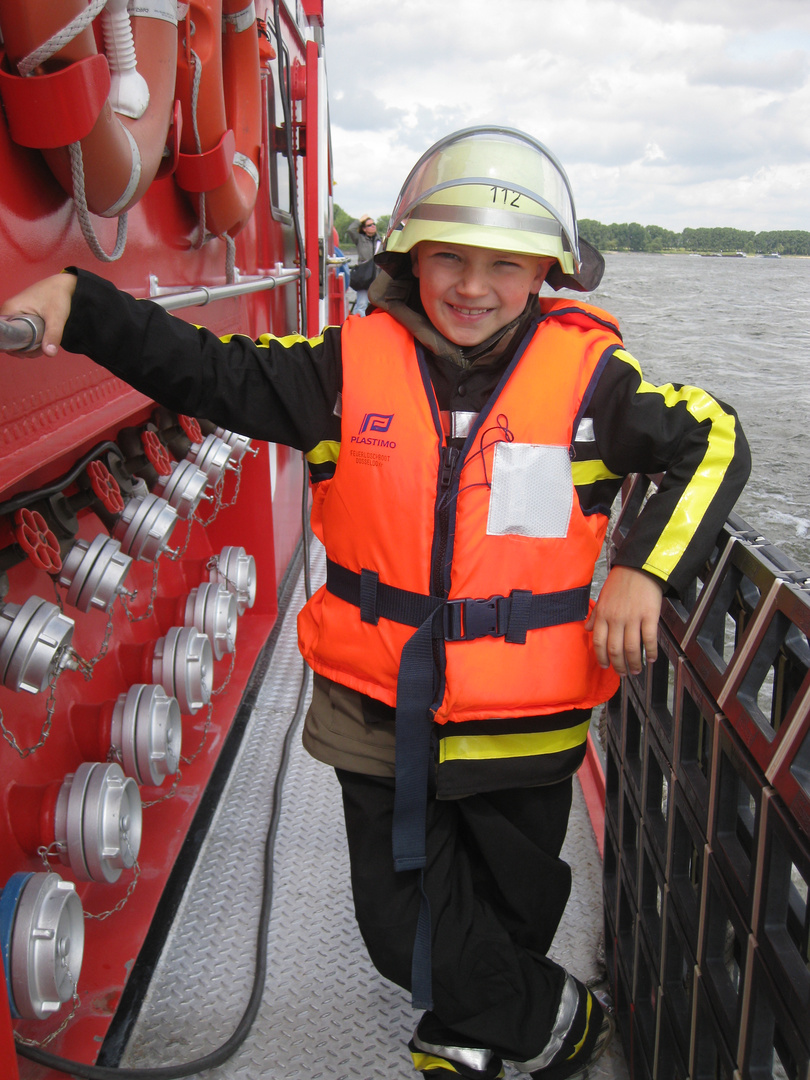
<point>591,472</point>
<point>324,451</point>
<point>701,489</point>
<point>530,744</point>
<point>288,341</point>
<point>264,339</point>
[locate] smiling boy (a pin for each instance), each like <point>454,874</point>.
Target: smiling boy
<point>466,442</point>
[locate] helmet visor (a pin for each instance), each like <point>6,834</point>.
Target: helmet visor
<point>491,177</point>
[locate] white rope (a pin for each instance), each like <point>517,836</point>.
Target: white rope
<point>195,90</point>
<point>77,168</point>
<point>61,38</point>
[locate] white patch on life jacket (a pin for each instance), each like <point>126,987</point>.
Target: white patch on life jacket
<point>532,491</point>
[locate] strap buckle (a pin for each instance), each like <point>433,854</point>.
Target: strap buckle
<point>467,619</point>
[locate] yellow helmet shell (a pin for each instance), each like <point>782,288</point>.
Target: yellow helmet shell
<point>489,187</point>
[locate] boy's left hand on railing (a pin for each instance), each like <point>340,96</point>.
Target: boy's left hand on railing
<point>624,620</point>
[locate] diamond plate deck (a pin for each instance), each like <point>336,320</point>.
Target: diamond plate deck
<point>326,1014</point>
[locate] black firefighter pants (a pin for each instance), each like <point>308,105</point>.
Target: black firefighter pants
<point>497,892</point>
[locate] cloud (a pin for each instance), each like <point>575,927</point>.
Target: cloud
<point>782,72</point>
<point>657,109</point>
<point>359,109</point>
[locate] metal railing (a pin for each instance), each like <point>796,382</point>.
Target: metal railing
<point>23,332</point>
<point>171,299</point>
<point>20,332</point>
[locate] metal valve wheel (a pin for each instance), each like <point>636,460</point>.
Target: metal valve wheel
<point>32,640</point>
<point>183,664</point>
<point>42,939</point>
<point>184,487</point>
<point>145,527</point>
<point>156,453</point>
<point>236,570</point>
<point>105,487</point>
<point>147,732</point>
<point>94,573</point>
<point>212,609</point>
<point>191,427</point>
<point>37,540</point>
<point>97,824</point>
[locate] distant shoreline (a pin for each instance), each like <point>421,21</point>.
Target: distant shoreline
<point>702,254</point>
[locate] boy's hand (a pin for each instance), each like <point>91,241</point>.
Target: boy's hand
<point>625,618</point>
<point>50,299</point>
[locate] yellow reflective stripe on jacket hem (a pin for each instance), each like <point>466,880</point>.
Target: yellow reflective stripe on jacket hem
<point>702,488</point>
<point>425,1062</point>
<point>589,472</point>
<point>578,1047</point>
<point>324,451</point>
<point>530,744</point>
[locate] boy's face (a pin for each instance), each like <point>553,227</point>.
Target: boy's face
<point>469,293</point>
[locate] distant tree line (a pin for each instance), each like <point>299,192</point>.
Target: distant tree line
<point>652,238</point>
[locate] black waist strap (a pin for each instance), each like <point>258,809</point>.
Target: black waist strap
<point>509,617</point>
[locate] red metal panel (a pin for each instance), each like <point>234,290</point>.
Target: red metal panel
<point>51,414</point>
<point>311,214</point>
<point>8,1057</point>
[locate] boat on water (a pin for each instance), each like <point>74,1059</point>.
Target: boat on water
<point>148,566</point>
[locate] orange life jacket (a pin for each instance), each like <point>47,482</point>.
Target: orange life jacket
<point>405,516</point>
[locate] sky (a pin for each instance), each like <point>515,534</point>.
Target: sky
<point>679,113</point>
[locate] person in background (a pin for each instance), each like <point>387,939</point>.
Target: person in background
<point>343,268</point>
<point>363,233</point>
<point>466,442</point>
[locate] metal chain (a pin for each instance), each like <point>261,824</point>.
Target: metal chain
<point>131,596</point>
<point>227,678</point>
<point>218,492</point>
<point>45,730</point>
<point>86,666</point>
<point>216,504</point>
<point>77,1001</point>
<point>101,916</point>
<point>177,555</point>
<point>237,471</point>
<point>114,756</point>
<point>52,851</point>
<point>206,729</point>
<point>170,794</point>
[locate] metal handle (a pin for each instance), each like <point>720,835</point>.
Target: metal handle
<point>201,295</point>
<point>20,333</point>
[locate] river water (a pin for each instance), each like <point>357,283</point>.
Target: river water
<point>739,328</point>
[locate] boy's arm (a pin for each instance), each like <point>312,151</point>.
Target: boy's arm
<point>281,390</point>
<point>697,443</point>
